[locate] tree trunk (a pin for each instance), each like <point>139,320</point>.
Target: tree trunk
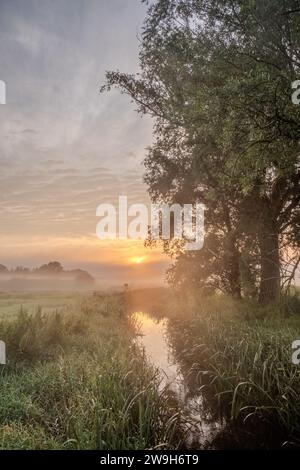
<point>235,279</point>
<point>270,263</point>
<point>233,263</point>
<point>248,275</point>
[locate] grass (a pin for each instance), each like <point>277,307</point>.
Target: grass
<point>240,357</point>
<point>76,380</point>
<point>10,303</point>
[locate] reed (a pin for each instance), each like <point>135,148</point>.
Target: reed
<point>240,357</point>
<point>76,380</point>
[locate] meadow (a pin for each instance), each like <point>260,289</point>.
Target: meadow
<point>75,378</point>
<point>12,302</point>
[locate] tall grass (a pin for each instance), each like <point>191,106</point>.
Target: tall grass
<point>75,380</point>
<point>240,357</point>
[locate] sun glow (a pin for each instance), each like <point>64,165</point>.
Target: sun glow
<point>138,259</point>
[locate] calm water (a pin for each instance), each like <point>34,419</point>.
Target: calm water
<point>154,340</point>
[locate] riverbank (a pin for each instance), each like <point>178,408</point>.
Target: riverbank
<point>239,357</point>
<point>75,380</point>
<point>89,373</point>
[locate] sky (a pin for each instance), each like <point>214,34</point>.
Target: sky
<point>64,147</point>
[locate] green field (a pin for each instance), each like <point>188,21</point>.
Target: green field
<point>11,303</point>
<point>74,378</point>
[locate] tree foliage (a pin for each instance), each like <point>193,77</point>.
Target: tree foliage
<point>216,76</point>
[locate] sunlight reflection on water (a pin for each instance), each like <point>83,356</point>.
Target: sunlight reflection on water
<point>153,339</point>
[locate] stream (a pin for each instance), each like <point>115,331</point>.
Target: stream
<point>153,338</point>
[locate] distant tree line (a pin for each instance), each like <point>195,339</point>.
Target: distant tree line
<point>52,269</point>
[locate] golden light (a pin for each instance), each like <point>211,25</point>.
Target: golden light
<point>138,259</point>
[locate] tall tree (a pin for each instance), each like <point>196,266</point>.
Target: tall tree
<point>216,76</point>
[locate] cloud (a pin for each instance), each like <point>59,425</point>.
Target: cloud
<point>64,148</point>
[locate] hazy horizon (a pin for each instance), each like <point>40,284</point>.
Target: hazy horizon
<point>65,148</point>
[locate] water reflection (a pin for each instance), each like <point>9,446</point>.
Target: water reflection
<point>153,338</point>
